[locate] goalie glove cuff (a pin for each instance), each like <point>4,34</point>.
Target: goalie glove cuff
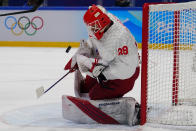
<point>101,77</point>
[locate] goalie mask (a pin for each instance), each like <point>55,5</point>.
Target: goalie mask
<point>96,21</point>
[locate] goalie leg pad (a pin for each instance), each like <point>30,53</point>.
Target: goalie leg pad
<point>78,85</point>
<point>78,78</point>
<point>112,111</point>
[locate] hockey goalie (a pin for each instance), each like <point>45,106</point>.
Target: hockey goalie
<point>110,61</point>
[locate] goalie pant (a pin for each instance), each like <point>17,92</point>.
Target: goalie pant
<point>113,111</point>
<point>112,88</point>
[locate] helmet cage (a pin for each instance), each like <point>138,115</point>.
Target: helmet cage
<point>94,26</point>
<point>96,21</point>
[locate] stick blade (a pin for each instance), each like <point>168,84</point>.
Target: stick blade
<point>39,92</point>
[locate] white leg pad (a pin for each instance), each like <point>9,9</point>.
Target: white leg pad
<point>110,111</point>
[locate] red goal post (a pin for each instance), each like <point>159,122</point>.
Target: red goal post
<point>167,78</point>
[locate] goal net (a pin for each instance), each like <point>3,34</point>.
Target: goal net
<point>168,93</point>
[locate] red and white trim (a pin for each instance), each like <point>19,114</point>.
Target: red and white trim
<point>93,112</point>
<point>94,64</point>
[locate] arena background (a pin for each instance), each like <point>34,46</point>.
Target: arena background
<point>58,26</point>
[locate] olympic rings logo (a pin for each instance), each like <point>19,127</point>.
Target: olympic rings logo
<point>24,24</point>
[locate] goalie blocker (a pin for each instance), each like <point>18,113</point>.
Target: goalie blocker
<point>112,111</point>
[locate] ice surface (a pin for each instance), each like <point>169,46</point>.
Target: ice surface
<point>22,71</point>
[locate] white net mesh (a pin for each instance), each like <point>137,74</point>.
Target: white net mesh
<point>171,92</point>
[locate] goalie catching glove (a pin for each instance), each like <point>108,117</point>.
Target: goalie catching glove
<point>84,49</point>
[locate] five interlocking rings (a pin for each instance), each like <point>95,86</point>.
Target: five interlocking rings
<point>24,23</point>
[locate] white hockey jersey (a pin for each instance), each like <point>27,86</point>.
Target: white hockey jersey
<point>117,49</point>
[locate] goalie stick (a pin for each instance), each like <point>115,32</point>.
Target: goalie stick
<point>40,91</point>
<point>35,3</point>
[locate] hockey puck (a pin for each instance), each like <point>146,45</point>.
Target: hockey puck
<point>68,49</point>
